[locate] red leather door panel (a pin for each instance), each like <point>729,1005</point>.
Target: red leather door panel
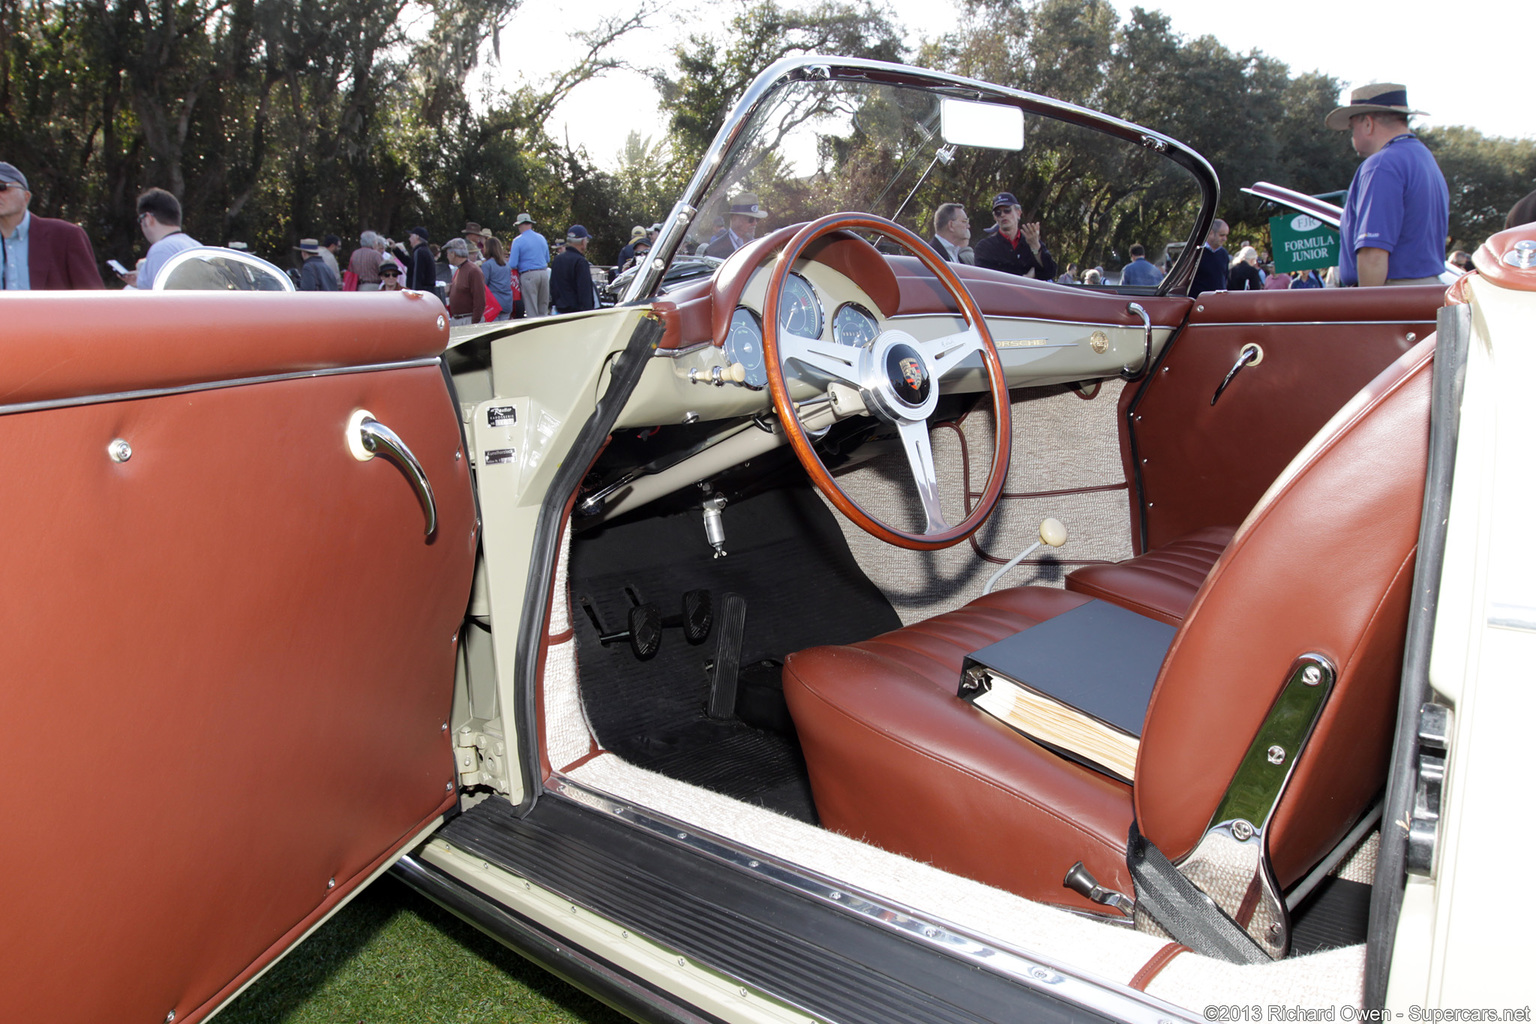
<point>1201,465</point>
<point>229,658</point>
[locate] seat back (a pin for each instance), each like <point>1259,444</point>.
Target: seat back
<point>1324,565</point>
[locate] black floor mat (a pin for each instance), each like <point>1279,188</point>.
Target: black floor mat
<point>788,559</point>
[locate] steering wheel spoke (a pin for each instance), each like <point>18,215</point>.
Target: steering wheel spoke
<point>827,359</point>
<point>916,442</point>
<point>946,353</point>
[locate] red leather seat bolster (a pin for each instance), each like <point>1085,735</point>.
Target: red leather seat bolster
<point>898,759</point>
<point>1160,584</point>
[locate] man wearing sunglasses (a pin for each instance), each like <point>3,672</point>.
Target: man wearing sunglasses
<point>38,253</point>
<point>1016,247</point>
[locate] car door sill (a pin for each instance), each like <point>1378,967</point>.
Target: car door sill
<point>810,952</point>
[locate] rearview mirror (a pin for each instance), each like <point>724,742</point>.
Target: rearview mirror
<point>988,125</point>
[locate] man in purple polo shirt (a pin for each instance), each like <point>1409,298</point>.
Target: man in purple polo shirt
<point>1397,213</point>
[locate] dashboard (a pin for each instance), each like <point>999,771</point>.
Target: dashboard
<point>848,295</point>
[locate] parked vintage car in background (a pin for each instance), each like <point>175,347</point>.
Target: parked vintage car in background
<point>636,636</point>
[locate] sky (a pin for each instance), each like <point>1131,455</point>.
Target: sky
<point>1440,56</point>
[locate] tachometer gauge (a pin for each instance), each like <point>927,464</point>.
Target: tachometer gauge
<point>744,345</point>
<point>799,308</point>
<point>854,326</point>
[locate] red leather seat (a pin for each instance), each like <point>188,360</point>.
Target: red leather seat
<point>1159,584</point>
<point>1323,564</point>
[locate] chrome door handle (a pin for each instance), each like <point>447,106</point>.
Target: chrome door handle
<point>367,437</point>
<point>1249,355</point>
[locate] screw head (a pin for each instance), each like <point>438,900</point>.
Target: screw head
<point>1242,831</point>
<point>1276,754</point>
<point>1311,675</point>
<point>331,884</point>
<point>120,450</point>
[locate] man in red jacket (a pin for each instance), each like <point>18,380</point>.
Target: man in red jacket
<point>38,253</point>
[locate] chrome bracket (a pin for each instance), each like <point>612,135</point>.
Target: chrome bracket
<point>1146,358</point>
<point>1424,822</point>
<point>1231,862</point>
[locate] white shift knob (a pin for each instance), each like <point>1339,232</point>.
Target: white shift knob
<point>1053,533</point>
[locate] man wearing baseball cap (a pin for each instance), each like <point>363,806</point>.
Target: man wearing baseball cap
<point>1397,213</point>
<point>38,253</point>
<point>1016,248</point>
<point>741,227</point>
<point>570,275</point>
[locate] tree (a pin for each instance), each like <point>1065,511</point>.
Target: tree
<point>712,74</point>
<point>1486,176</point>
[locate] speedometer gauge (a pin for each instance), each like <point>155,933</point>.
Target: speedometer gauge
<point>799,308</point>
<point>854,326</point>
<point>744,345</point>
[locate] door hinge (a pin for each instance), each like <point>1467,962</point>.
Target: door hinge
<point>480,755</point>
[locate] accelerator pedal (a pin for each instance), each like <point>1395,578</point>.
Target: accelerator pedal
<point>727,663</point>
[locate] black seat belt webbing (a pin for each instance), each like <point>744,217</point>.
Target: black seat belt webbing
<point>1183,911</point>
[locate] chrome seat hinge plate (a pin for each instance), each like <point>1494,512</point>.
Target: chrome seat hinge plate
<point>1231,862</point>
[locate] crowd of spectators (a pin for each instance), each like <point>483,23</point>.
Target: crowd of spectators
<point>482,278</point>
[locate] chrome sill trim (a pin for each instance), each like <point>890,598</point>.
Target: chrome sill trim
<point>678,353</point>
<point>1035,972</point>
<point>1031,320</point>
<point>1504,615</point>
<point>1313,323</point>
<point>186,389</point>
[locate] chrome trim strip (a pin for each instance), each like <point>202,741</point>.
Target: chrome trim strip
<point>1035,972</point>
<point>187,389</point>
<point>991,317</point>
<point>678,353</point>
<point>1312,323</point>
<point>1505,615</point>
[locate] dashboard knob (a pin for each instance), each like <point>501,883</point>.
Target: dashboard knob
<point>737,373</point>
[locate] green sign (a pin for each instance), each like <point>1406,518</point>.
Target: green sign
<point>1298,241</point>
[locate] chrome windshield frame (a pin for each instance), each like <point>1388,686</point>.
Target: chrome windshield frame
<point>832,69</point>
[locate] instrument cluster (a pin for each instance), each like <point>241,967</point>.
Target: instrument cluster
<point>800,314</point>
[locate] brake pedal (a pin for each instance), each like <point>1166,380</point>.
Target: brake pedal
<point>727,669</point>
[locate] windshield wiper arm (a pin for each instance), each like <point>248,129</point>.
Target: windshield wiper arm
<point>944,155</point>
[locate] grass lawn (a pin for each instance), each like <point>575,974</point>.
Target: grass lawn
<point>392,957</point>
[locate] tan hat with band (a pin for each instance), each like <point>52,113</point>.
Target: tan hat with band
<point>1376,98</point>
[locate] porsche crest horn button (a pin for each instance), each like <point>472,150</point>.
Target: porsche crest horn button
<point>907,374</point>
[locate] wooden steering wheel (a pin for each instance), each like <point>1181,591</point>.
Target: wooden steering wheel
<point>897,377</point>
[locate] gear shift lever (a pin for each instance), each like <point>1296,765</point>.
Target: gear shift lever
<point>1051,532</point>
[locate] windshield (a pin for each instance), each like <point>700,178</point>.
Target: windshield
<point>814,137</point>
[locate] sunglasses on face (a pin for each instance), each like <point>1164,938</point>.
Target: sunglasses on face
<point>11,185</point>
